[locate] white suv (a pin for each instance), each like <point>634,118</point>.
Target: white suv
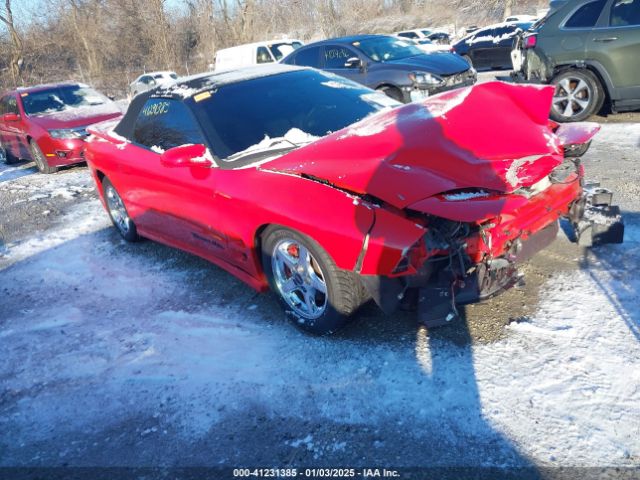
<point>254,53</point>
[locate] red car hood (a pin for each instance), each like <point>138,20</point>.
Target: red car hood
<point>495,136</point>
<point>77,117</point>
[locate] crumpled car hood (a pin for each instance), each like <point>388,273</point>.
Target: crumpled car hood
<point>438,63</point>
<point>495,136</point>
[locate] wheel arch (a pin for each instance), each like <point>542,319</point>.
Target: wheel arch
<point>594,67</point>
<point>263,230</point>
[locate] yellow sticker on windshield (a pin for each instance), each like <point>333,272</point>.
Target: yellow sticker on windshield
<point>201,96</point>
<point>24,94</point>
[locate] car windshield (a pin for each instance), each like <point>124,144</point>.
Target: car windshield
<point>383,49</point>
<point>260,118</point>
<point>281,50</point>
<point>61,98</point>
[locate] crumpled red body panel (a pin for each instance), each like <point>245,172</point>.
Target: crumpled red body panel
<point>494,136</point>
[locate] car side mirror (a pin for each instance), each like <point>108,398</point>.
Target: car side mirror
<point>10,117</point>
<point>353,62</point>
<point>186,156</point>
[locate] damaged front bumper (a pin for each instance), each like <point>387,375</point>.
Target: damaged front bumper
<point>484,262</point>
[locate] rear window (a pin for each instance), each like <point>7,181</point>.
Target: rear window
<point>309,57</point>
<point>586,16</point>
<point>249,119</point>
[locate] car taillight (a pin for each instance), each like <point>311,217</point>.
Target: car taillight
<point>530,41</point>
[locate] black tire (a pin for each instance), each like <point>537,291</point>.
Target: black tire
<point>39,159</point>
<point>391,92</point>
<point>5,156</point>
<point>579,94</point>
<point>344,291</point>
<point>118,212</point>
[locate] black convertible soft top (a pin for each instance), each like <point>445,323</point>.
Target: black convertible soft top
<point>185,88</point>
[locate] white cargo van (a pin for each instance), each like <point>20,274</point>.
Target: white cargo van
<point>254,53</point>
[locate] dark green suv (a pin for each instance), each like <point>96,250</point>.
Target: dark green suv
<point>588,49</point>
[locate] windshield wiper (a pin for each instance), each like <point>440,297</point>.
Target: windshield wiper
<point>275,145</point>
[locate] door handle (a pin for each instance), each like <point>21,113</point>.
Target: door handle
<point>605,39</point>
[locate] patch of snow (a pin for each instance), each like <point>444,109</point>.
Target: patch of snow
<point>511,175</point>
<point>84,111</point>
<point>293,137</point>
<point>456,197</point>
<point>157,149</point>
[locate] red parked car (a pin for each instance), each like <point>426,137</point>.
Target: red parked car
<point>332,194</point>
<point>48,123</point>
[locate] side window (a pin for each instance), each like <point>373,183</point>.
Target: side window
<point>12,105</point>
<point>335,56</point>
<point>504,35</point>
<point>408,35</point>
<point>263,55</point>
<point>309,57</point>
<point>8,105</point>
<point>625,13</point>
<point>164,123</point>
<point>586,16</point>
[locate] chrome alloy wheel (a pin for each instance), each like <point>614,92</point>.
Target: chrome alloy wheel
<point>116,209</point>
<point>573,96</point>
<point>299,279</point>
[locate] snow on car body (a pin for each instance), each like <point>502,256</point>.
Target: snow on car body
<point>311,184</point>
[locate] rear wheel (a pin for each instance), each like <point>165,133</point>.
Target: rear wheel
<point>5,156</point>
<point>313,290</point>
<point>39,158</point>
<point>579,94</point>
<point>118,212</point>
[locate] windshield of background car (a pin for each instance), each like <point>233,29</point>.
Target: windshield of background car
<point>383,49</point>
<point>281,50</point>
<point>247,119</point>
<point>61,98</point>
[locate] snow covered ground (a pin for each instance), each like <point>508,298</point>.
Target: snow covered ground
<point>120,354</point>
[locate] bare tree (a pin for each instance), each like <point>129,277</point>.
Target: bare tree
<point>17,47</point>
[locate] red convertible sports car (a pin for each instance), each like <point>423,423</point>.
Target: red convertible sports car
<point>47,123</point>
<point>332,194</point>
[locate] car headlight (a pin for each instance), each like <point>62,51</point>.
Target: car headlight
<point>424,78</point>
<point>66,133</point>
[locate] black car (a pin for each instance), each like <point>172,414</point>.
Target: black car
<point>490,48</point>
<point>389,64</point>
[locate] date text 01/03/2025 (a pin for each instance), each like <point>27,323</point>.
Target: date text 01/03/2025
<point>316,472</point>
